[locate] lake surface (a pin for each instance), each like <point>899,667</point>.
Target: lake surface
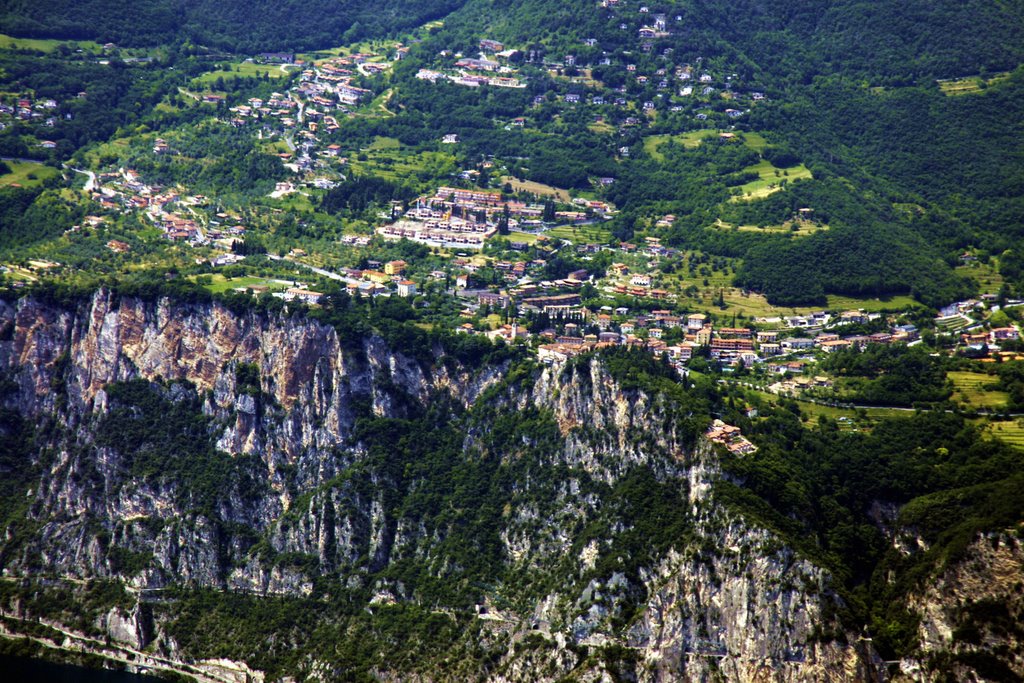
<point>25,670</point>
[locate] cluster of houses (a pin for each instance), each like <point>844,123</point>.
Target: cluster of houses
<point>439,228</point>
<point>798,383</point>
<point>689,335</point>
<point>492,67</point>
<point>330,84</point>
<point>993,337</point>
<point>468,74</point>
<point>278,106</point>
<point>459,217</point>
<point>124,191</point>
<point>325,91</point>
<point>731,437</point>
<point>27,109</point>
<point>651,78</point>
<point>465,218</point>
<point>380,279</point>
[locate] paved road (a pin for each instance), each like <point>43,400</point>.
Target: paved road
<point>91,183</point>
<point>22,160</point>
<point>318,271</point>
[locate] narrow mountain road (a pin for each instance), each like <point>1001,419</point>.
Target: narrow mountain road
<point>22,160</point>
<point>318,271</point>
<point>90,184</point>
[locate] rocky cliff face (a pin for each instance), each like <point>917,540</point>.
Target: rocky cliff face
<point>298,419</point>
<point>972,616</point>
<point>596,548</point>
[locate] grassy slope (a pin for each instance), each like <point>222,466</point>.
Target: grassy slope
<point>770,179</point>
<point>20,172</point>
<point>971,390</point>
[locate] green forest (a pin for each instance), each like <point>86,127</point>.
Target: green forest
<point>232,26</point>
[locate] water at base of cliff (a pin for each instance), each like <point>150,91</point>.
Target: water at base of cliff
<point>26,670</point>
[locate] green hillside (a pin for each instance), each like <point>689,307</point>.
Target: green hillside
<point>230,25</point>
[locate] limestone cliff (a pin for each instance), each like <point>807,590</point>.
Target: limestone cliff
<point>972,616</point>
<point>566,523</point>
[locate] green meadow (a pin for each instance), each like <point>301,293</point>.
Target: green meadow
<point>27,174</point>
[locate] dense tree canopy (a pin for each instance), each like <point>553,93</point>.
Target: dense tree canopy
<point>231,25</point>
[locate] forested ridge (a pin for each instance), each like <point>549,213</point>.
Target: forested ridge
<point>898,42</point>
<point>892,41</point>
<point>231,25</point>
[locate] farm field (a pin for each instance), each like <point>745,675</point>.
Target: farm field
<point>754,305</point>
<point>536,188</point>
<point>219,284</point>
<point>849,419</point>
<point>243,70</point>
<point>754,141</point>
<point>365,47</point>
<point>378,107</point>
<point>298,202</point>
<point>1008,431</point>
<point>694,138</point>
<point>899,302</point>
<point>18,273</point>
<point>44,44</point>
<point>579,234</point>
<point>526,237</point>
<point>770,180</point>
<point>715,292</point>
<point>381,142</point>
<point>387,158</point>
<point>971,390</point>
<point>113,149</point>
<point>27,174</point>
<point>794,228</point>
<point>969,85</point>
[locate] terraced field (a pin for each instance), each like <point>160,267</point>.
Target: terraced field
<point>969,85</point>
<point>972,390</point>
<point>987,275</point>
<point>581,234</point>
<point>952,324</point>
<point>1011,432</point>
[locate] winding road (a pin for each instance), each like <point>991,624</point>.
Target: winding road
<point>90,184</point>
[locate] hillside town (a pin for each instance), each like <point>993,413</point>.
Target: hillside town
<point>492,245</point>
<point>453,220</point>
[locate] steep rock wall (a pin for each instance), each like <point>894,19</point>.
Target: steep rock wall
<point>731,602</point>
